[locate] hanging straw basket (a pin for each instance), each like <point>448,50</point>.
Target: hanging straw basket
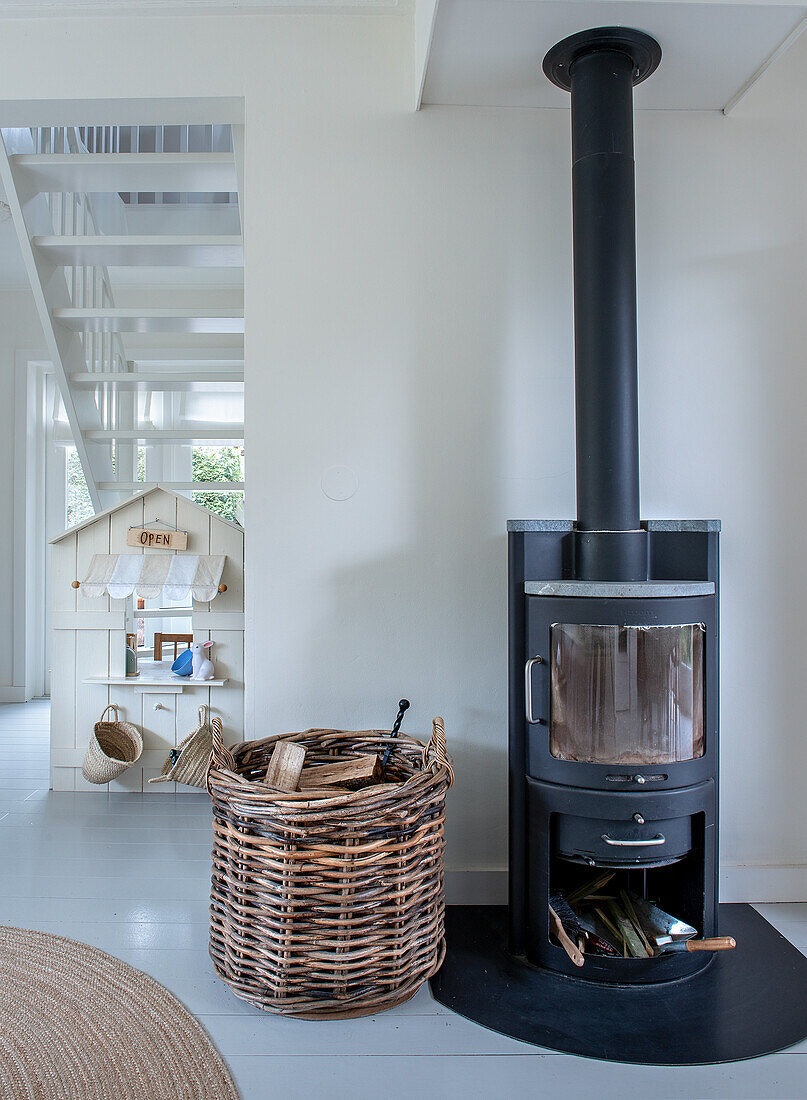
<point>329,907</point>
<point>189,762</point>
<point>114,747</point>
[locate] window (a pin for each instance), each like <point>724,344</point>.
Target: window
<point>219,464</point>
<point>78,505</point>
<point>147,617</point>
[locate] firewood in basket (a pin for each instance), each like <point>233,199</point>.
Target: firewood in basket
<point>359,769</point>
<point>285,765</point>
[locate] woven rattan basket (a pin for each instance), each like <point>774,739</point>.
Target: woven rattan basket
<point>113,747</point>
<point>189,761</point>
<point>329,907</point>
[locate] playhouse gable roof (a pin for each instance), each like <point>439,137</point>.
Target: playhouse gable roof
<point>142,496</point>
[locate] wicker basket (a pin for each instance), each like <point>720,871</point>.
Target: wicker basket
<point>189,761</point>
<point>113,747</point>
<point>329,907</point>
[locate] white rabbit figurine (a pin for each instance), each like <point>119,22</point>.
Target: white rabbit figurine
<point>202,665</point>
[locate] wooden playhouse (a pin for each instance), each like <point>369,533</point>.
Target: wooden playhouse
<point>90,631</point>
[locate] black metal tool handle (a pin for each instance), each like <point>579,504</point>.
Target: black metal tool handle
<point>403,707</point>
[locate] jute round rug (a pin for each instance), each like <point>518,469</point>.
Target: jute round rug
<point>77,1024</point>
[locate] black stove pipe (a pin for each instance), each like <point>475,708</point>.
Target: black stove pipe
<point>600,67</point>
<point>606,387</point>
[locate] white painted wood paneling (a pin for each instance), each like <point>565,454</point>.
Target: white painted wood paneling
<point>90,541</point>
<point>92,653</point>
<point>63,701</point>
<point>119,523</point>
<point>63,571</point>
<point>225,540</point>
<point>90,620</point>
<point>159,725</point>
<point>228,701</point>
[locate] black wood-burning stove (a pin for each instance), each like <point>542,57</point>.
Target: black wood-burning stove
<point>613,700</point>
<point>613,622</point>
<point>613,735</point>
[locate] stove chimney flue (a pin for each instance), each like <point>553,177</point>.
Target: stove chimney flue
<point>600,68</point>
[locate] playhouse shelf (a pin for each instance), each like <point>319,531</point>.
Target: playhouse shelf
<point>172,682</point>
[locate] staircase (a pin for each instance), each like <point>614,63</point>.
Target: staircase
<point>88,201</point>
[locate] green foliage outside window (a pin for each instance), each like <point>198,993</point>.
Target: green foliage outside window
<point>79,506</point>
<point>209,464</point>
<point>219,464</point>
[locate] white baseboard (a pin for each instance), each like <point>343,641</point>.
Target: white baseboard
<point>738,882</point>
<point>11,694</point>
<point>763,882</point>
<point>476,885</point>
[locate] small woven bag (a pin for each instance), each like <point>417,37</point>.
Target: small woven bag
<point>189,761</point>
<point>113,747</point>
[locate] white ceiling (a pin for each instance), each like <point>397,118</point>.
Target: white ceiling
<point>489,52</point>
<point>172,7</point>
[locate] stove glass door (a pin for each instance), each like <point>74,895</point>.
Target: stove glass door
<point>626,694</point>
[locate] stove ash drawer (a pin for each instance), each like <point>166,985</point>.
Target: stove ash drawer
<point>621,843</point>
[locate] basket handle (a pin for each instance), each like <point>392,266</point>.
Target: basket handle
<point>112,706</point>
<point>221,757</point>
<point>204,714</point>
<point>436,753</point>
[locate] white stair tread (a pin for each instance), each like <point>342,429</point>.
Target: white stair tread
<point>166,435</point>
<point>175,319</point>
<point>176,486</point>
<point>152,251</point>
<point>160,381</point>
<point>193,172</point>
<point>201,359</point>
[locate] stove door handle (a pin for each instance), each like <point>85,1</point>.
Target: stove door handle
<point>658,839</point>
<point>533,721</point>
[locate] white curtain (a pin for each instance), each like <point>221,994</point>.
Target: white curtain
<point>147,575</point>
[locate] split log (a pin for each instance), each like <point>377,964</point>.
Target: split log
<point>285,766</point>
<point>358,769</point>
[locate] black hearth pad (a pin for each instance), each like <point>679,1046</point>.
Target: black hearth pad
<point>747,1002</point>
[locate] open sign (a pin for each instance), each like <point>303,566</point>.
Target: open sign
<point>154,538</point>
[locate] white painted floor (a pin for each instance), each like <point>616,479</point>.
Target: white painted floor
<point>129,874</point>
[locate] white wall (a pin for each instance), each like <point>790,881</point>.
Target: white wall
<point>408,305</point>
<point>19,330</point>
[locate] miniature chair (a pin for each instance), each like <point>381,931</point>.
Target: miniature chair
<point>176,639</point>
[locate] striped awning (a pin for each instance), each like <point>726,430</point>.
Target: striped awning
<point>150,575</point>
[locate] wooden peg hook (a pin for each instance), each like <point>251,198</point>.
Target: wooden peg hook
<point>76,584</point>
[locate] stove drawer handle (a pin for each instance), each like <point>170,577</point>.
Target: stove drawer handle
<point>533,721</point>
<point>634,843</point>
